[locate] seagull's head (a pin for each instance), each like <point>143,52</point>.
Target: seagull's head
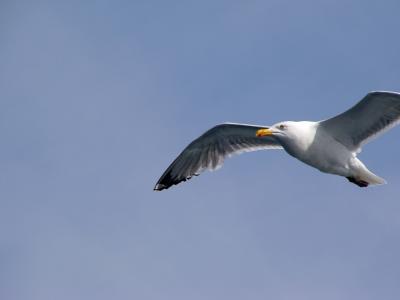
<point>280,130</point>
<point>290,133</point>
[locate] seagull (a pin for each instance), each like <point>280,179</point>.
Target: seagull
<point>331,145</point>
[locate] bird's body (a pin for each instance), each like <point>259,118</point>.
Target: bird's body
<point>330,146</point>
<point>315,147</point>
<point>318,150</point>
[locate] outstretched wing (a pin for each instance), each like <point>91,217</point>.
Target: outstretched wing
<point>210,149</point>
<point>376,113</point>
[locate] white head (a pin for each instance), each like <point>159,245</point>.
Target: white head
<point>291,134</point>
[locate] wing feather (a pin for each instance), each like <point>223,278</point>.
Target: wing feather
<point>210,149</point>
<point>376,113</point>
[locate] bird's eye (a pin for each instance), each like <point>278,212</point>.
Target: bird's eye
<point>282,127</point>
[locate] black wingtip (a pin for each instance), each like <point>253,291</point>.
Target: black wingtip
<point>159,187</point>
<point>166,182</point>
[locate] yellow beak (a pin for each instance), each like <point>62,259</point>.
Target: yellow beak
<point>263,132</point>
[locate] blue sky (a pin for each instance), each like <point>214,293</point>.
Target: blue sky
<point>97,98</point>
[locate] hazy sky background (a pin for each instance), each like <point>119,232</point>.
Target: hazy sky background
<point>98,97</point>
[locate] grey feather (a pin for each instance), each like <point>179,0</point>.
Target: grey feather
<point>210,149</point>
<point>376,113</point>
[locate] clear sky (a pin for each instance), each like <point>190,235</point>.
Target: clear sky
<point>98,97</point>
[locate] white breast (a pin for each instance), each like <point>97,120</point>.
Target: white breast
<point>313,146</point>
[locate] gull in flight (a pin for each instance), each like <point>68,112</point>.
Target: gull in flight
<point>330,146</point>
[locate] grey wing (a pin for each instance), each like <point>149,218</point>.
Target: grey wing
<point>376,113</point>
<point>210,149</point>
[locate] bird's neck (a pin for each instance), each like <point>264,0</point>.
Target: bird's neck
<point>302,138</point>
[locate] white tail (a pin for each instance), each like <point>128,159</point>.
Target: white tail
<point>366,175</point>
